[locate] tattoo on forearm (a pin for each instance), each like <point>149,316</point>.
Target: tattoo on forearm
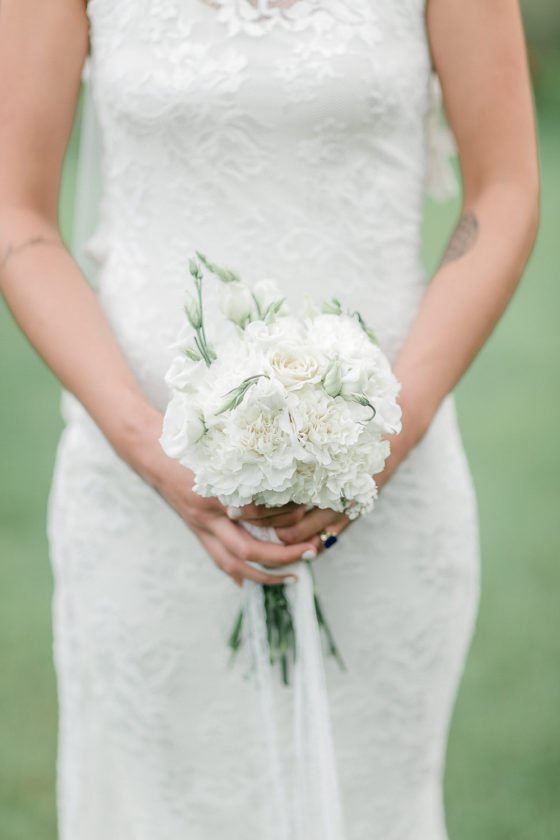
<point>463,238</point>
<point>12,249</point>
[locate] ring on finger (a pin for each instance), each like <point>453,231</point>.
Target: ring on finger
<point>328,538</point>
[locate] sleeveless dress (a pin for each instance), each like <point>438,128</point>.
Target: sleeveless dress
<point>290,142</point>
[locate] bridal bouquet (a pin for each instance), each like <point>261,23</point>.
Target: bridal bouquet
<point>274,407</point>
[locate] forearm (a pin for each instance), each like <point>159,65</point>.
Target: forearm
<point>466,297</point>
<point>60,315</point>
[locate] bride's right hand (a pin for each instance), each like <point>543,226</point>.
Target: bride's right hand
<point>229,545</point>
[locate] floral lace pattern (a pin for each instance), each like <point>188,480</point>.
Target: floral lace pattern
<point>293,142</point>
<point>257,18</point>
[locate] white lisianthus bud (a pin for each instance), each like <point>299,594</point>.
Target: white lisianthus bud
<point>309,308</point>
<point>237,303</point>
<point>194,269</point>
<point>332,383</point>
<point>182,426</point>
<point>268,296</point>
<point>354,376</point>
<point>332,307</point>
<point>192,309</point>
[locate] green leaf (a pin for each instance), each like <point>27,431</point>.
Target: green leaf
<point>361,399</point>
<point>192,354</point>
<point>226,275</point>
<point>273,309</point>
<point>193,311</point>
<point>367,330</point>
<point>236,394</point>
<point>234,640</point>
<point>331,307</point>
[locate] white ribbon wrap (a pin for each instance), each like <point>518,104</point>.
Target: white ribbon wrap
<point>310,807</point>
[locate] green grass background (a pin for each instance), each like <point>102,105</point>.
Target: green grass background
<point>503,770</point>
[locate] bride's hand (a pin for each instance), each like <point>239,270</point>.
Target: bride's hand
<point>317,525</point>
<point>230,546</point>
<point>266,517</point>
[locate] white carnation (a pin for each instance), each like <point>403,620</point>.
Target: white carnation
<point>340,336</point>
<point>324,426</point>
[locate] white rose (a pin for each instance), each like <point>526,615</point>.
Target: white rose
<point>182,426</point>
<point>295,366</point>
<point>237,303</point>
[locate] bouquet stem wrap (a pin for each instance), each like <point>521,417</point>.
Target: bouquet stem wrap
<point>311,809</point>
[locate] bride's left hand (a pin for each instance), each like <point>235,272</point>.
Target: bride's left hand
<point>317,521</point>
<point>298,525</point>
<point>293,524</point>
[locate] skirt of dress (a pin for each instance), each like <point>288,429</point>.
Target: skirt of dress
<point>160,736</point>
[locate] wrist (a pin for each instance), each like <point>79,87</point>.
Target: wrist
<point>135,434</point>
<point>418,406</point>
<point>416,419</point>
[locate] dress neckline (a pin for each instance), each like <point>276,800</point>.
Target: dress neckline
<point>256,17</point>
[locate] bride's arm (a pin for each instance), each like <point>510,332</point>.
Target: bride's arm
<point>479,53</point>
<point>42,49</point>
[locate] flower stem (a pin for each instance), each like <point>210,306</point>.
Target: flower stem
<point>280,631</point>
<point>322,621</point>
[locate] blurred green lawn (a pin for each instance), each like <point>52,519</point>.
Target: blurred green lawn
<point>503,776</point>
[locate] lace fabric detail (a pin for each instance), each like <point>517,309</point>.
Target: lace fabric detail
<point>259,17</point>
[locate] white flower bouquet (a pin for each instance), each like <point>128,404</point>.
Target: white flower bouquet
<point>275,408</point>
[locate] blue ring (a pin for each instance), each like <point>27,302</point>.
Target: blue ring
<point>330,541</point>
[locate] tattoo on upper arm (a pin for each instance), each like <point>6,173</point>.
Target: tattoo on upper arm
<point>12,249</point>
<point>463,238</point>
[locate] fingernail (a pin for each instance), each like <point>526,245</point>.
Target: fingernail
<point>234,512</point>
<point>291,579</point>
<point>309,554</point>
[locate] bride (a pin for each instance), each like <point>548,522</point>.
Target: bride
<point>293,138</point>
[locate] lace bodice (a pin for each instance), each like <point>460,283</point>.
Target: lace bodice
<point>295,140</point>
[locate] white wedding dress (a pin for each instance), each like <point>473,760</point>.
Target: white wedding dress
<point>299,143</point>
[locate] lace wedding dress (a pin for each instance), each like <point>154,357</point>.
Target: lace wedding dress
<point>293,141</point>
